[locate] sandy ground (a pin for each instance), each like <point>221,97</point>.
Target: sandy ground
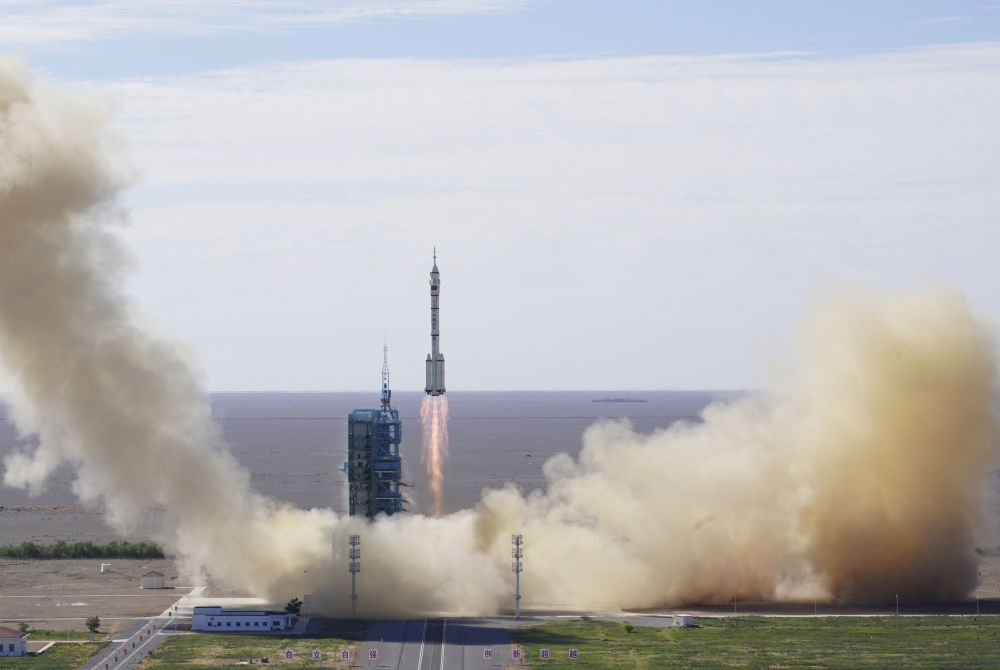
<point>60,595</point>
<point>989,578</point>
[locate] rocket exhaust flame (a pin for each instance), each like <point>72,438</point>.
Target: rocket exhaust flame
<point>434,408</point>
<point>434,450</point>
<point>862,475</point>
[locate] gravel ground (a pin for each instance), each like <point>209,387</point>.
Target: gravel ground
<point>60,595</point>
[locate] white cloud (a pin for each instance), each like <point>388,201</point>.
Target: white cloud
<point>672,215</point>
<point>41,22</point>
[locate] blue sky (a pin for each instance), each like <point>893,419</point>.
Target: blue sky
<point>624,195</point>
<point>103,44</point>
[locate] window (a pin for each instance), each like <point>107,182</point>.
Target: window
<point>10,648</point>
<point>230,623</point>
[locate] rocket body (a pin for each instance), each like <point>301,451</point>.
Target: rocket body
<point>435,359</point>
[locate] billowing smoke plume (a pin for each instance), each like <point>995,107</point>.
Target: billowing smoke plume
<point>862,475</point>
<point>100,392</point>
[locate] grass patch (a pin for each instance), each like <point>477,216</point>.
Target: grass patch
<point>59,635</point>
<point>56,657</point>
<point>766,642</point>
<point>209,651</point>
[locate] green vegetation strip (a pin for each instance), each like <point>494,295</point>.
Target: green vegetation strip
<point>45,634</point>
<point>57,657</point>
<point>208,651</point>
<point>766,642</point>
<point>63,550</point>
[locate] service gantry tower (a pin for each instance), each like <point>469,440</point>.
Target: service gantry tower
<point>373,464</point>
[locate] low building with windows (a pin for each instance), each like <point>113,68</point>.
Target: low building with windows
<point>13,642</point>
<point>219,620</point>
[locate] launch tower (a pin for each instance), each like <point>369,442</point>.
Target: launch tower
<point>373,464</point>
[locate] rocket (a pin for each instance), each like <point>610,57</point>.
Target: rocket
<point>435,359</point>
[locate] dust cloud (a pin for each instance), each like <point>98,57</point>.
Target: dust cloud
<point>863,473</point>
<point>120,405</point>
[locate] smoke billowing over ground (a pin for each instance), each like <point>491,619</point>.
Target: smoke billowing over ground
<point>862,474</point>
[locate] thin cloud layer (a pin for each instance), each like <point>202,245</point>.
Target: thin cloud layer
<point>695,182</point>
<point>45,22</point>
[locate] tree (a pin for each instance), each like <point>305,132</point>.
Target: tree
<point>294,606</point>
<point>22,626</point>
<point>93,623</point>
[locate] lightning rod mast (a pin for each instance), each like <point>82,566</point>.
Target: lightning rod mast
<point>355,567</point>
<point>516,566</point>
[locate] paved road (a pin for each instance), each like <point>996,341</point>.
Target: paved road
<point>128,649</point>
<point>132,646</point>
<point>434,644</point>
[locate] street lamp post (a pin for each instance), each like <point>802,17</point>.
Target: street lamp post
<point>355,568</point>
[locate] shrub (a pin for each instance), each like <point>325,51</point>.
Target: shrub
<point>60,550</point>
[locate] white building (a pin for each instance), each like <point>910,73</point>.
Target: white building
<point>152,580</point>
<point>13,642</point>
<point>218,620</point>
